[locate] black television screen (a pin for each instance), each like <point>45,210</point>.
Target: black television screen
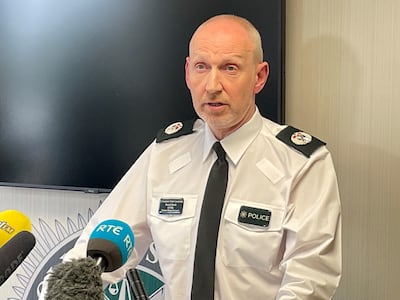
<point>85,85</point>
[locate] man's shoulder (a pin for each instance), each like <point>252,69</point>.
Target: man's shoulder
<point>299,140</point>
<point>176,130</point>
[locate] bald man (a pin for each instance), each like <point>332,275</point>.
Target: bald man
<point>279,232</point>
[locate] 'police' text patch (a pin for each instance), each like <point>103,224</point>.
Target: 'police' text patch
<point>254,216</point>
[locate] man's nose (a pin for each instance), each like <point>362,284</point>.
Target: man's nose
<point>213,82</point>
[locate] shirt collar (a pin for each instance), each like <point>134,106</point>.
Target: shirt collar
<point>237,142</point>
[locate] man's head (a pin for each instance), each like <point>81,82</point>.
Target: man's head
<point>224,72</point>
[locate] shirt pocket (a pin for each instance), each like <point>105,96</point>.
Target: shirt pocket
<point>172,232</point>
<point>247,245</point>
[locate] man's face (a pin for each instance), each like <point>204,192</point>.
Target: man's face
<point>223,76</point>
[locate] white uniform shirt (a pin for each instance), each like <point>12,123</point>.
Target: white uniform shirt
<point>297,256</point>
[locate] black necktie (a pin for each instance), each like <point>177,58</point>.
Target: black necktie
<point>204,261</point>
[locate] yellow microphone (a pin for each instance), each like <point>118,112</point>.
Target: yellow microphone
<point>11,223</point>
<point>16,241</point>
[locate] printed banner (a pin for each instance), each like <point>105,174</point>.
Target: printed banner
<point>55,236</point>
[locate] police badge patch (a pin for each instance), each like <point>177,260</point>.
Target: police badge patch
<point>299,140</point>
<point>175,130</point>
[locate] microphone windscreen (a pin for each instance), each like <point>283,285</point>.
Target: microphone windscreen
<point>12,222</point>
<point>14,252</point>
<point>76,279</point>
<point>113,241</point>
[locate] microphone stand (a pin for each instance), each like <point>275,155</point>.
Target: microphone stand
<point>136,284</point>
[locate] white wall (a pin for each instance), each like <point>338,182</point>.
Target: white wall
<point>343,85</point>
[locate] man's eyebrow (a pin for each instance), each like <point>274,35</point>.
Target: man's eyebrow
<point>225,58</point>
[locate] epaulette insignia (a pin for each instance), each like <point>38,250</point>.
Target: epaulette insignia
<point>299,140</point>
<point>175,130</point>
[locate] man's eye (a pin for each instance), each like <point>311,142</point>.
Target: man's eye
<point>200,66</point>
<point>231,68</point>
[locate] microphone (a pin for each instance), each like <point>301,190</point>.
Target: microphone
<point>109,247</point>
<point>110,244</point>
<point>12,222</point>
<point>14,252</point>
<point>16,242</point>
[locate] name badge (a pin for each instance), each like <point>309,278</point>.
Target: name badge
<point>171,206</point>
<point>254,216</point>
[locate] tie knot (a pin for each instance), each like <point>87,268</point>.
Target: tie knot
<point>219,150</point>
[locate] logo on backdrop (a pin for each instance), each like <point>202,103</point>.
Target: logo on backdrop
<point>52,244</point>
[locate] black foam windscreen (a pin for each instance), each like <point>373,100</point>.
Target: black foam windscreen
<point>108,251</point>
<point>14,252</point>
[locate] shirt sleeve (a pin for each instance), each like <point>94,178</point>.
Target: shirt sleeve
<point>312,258</point>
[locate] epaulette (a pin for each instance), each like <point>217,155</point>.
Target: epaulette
<point>299,140</point>
<point>175,130</point>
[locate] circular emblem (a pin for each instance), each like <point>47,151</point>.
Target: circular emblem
<point>173,128</point>
<point>301,138</point>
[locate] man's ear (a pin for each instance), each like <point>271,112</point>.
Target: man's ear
<point>187,71</point>
<point>262,76</point>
